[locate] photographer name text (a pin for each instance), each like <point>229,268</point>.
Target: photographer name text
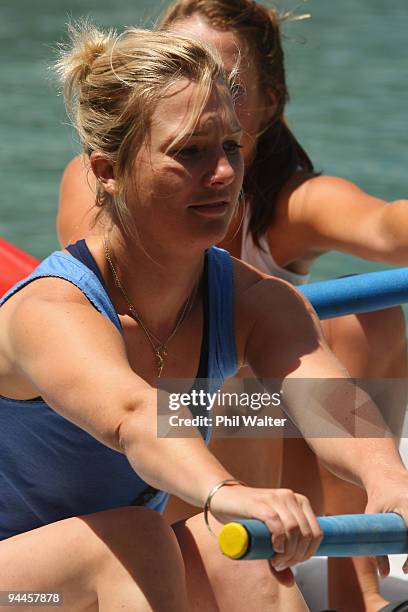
<point>237,420</point>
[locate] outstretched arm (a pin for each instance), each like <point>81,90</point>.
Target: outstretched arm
<point>286,343</point>
<point>76,360</point>
<point>329,213</point>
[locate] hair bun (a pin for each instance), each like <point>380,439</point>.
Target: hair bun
<point>87,52</point>
<point>86,44</point>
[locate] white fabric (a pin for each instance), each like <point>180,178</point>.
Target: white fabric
<point>262,258</point>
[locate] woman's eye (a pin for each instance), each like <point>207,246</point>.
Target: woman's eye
<point>232,147</point>
<point>187,152</point>
<point>194,151</point>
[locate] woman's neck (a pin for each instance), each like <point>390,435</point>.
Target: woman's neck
<point>157,289</point>
<point>233,240</point>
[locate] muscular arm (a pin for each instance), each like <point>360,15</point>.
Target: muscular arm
<point>76,359</point>
<point>286,343</point>
<point>329,213</point>
<point>76,212</point>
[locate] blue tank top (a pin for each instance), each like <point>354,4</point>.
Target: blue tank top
<point>51,469</point>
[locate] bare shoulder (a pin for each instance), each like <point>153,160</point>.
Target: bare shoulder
<point>45,326</point>
<point>270,307</point>
<point>47,289</point>
<point>249,281</point>
<point>322,213</point>
<point>77,170</point>
<point>51,321</point>
<point>76,212</point>
<point>329,191</point>
<point>78,163</point>
<point>304,195</point>
<point>43,305</point>
<point>334,187</point>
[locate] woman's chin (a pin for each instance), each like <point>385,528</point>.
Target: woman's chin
<point>215,231</point>
<point>199,243</point>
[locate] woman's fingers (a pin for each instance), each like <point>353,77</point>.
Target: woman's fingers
<point>312,533</point>
<point>292,537</point>
<point>295,531</point>
<point>277,527</point>
<point>383,565</point>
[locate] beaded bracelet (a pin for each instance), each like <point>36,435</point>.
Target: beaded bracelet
<point>213,491</point>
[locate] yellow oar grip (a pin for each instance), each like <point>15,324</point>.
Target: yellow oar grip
<point>233,540</point>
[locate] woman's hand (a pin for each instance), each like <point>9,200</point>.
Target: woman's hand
<point>296,533</point>
<point>389,494</point>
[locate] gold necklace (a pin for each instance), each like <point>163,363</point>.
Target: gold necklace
<point>159,347</point>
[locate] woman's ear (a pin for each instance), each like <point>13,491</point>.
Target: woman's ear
<point>104,172</point>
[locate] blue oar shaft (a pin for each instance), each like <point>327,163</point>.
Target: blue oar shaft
<point>346,535</point>
<point>360,293</point>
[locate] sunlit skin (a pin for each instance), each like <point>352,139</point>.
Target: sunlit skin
<point>196,181</point>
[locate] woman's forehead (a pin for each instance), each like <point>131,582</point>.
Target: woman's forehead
<point>232,49</point>
<point>176,111</point>
<point>226,42</point>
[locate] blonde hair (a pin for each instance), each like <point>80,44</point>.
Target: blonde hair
<point>112,84</point>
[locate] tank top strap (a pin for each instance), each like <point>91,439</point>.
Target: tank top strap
<point>223,361</point>
<point>64,266</point>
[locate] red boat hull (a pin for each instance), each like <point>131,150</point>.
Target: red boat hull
<point>15,264</point>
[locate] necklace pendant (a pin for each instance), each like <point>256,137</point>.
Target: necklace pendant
<point>160,351</point>
<point>161,354</point>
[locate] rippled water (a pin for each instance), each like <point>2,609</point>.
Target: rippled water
<point>347,69</point>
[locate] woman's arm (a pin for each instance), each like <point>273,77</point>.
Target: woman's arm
<point>285,320</point>
<point>77,211</point>
<point>76,360</point>
<point>329,213</point>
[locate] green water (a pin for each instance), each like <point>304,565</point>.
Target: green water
<point>347,70</point>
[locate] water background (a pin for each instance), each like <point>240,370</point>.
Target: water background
<point>347,70</point>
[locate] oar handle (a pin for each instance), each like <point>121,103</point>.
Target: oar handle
<point>347,535</point>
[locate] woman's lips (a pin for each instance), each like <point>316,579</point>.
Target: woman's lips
<point>212,209</point>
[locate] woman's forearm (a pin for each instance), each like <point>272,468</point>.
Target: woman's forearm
<point>344,427</point>
<point>181,466</point>
<point>362,461</point>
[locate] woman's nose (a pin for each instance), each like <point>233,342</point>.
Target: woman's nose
<point>222,172</point>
